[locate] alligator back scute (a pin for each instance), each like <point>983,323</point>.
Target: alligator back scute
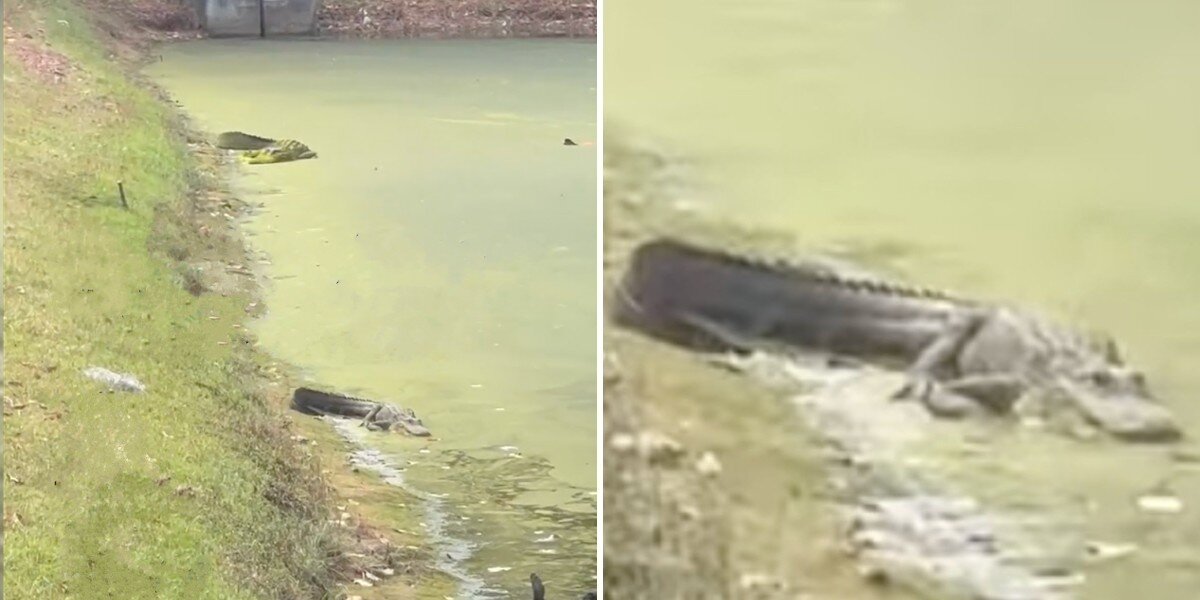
<point>237,140</point>
<point>316,402</point>
<point>669,284</point>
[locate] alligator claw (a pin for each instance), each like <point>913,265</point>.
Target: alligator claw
<point>916,388</point>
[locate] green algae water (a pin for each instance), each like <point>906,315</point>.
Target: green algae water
<point>1043,153</point>
<point>439,253</point>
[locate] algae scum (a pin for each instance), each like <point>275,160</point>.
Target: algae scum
<point>438,254</point>
<point>1038,153</point>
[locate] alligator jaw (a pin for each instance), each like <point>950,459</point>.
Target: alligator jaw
<point>1127,417</point>
<point>416,429</point>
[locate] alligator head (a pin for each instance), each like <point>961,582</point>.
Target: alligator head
<point>280,151</point>
<point>412,425</point>
<point>1116,398</point>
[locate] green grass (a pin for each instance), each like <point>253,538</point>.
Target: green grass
<point>88,509</point>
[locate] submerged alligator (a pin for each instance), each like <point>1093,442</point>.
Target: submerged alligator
<point>961,356</point>
<point>259,150</point>
<point>376,416</point>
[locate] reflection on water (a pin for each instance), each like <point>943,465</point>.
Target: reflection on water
<point>440,253</point>
<point>1040,152</point>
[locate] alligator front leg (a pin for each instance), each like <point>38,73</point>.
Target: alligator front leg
<point>369,420</point>
<point>942,351</point>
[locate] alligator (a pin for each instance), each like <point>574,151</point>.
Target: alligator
<point>376,416</point>
<point>961,356</point>
<point>260,150</point>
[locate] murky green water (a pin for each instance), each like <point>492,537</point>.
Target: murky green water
<point>1039,152</point>
<point>439,253</point>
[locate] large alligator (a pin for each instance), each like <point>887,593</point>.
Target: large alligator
<point>375,416</point>
<point>260,150</point>
<point>960,355</point>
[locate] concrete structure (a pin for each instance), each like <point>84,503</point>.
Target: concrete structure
<point>222,18</point>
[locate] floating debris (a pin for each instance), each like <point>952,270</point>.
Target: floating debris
<point>1103,551</point>
<point>1160,503</point>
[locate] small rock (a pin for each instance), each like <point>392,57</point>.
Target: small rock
<point>364,583</point>
<point>622,442</point>
<point>657,447</point>
<point>759,581</point>
<point>708,465</point>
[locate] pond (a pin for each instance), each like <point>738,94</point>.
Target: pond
<point>1033,152</point>
<point>439,253</point>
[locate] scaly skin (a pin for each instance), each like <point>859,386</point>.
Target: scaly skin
<point>236,140</point>
<point>260,150</point>
<point>959,354</point>
<point>376,416</point>
<point>280,151</point>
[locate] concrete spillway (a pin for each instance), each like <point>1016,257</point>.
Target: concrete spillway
<point>258,17</point>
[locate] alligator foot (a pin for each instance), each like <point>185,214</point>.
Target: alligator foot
<point>917,387</point>
<point>998,393</point>
<point>936,398</point>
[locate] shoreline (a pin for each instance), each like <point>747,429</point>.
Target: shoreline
<point>395,566</point>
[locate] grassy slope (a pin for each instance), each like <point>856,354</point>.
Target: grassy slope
<point>88,512</point>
